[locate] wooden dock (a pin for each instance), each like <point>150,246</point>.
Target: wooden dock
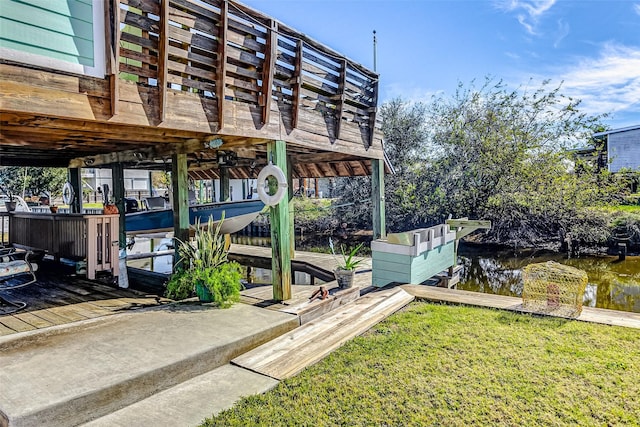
<point>58,298</point>
<point>455,296</point>
<point>316,264</point>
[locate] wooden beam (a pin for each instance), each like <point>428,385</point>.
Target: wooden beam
<point>75,179</point>
<point>297,85</point>
<point>222,60</point>
<point>372,113</point>
<point>180,199</point>
<point>117,181</point>
<point>147,153</point>
<point>112,37</point>
<point>341,95</point>
<point>280,229</point>
<point>377,197</point>
<point>270,55</point>
<point>163,59</point>
<point>224,184</point>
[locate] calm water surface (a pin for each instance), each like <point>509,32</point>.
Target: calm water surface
<point>613,284</point>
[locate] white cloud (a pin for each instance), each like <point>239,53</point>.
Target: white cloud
<point>529,11</point>
<point>563,31</point>
<point>608,83</point>
<point>636,7</point>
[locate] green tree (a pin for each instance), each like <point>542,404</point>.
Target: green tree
<point>491,152</point>
<point>32,181</point>
<point>404,127</point>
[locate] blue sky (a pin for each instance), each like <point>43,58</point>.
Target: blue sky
<point>426,47</point>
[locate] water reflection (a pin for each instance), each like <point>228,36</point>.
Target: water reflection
<point>613,284</point>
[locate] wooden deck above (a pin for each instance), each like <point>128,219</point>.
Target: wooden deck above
<point>183,73</point>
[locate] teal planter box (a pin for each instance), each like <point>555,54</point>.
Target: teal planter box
<point>432,251</point>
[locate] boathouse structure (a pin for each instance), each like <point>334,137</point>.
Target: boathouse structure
<point>209,89</point>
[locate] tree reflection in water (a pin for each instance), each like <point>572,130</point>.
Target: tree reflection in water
<point>612,284</point>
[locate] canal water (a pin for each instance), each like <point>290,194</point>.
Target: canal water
<point>613,284</point>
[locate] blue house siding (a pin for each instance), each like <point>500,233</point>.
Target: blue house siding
<point>60,34</point>
<point>624,150</point>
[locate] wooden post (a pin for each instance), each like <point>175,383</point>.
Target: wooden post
<point>163,59</point>
<point>280,239</point>
<point>377,196</point>
<point>292,220</point>
<point>75,179</point>
<point>180,199</point>
<point>117,180</point>
<point>224,184</point>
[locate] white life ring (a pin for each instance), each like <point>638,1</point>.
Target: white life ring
<point>67,193</point>
<point>276,172</point>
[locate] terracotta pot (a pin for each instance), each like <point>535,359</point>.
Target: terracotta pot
<point>53,209</point>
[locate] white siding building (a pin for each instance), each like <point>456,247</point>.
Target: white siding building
<point>623,148</point>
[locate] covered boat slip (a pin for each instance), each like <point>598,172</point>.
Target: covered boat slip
<point>205,89</point>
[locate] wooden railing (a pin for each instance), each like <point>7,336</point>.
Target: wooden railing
<point>224,51</point>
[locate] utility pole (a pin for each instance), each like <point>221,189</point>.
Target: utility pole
<point>375,49</point>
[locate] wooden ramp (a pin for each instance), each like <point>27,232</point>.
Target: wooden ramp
<point>290,353</point>
<point>589,314</point>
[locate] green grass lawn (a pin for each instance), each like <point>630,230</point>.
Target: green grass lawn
<point>446,365</point>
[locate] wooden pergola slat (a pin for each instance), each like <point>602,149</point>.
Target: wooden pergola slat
<point>222,60</point>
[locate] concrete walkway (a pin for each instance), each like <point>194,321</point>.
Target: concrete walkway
<point>76,373</point>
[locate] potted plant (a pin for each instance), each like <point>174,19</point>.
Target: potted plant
<point>346,268</point>
<point>11,203</point>
<point>205,270</point>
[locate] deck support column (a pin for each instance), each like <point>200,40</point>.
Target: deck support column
<point>75,179</point>
<point>180,199</point>
<point>224,184</point>
<point>280,230</point>
<point>117,180</point>
<point>377,197</point>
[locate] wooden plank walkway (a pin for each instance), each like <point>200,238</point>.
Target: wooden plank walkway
<point>58,298</point>
<point>314,263</point>
<point>589,314</point>
<point>290,353</point>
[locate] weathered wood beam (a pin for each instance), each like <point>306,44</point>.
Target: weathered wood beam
<point>75,179</point>
<point>270,55</point>
<point>221,73</point>
<point>297,84</point>
<point>224,184</point>
<point>112,38</point>
<point>341,97</point>
<point>117,180</point>
<point>129,156</point>
<point>372,114</point>
<point>180,200</point>
<point>163,59</point>
<point>377,196</point>
<point>280,229</point>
